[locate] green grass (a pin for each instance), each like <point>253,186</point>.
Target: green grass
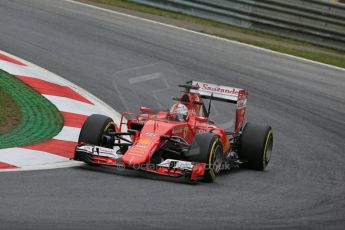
<point>10,114</point>
<point>33,118</point>
<point>287,45</point>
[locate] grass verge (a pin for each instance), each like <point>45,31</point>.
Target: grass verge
<point>26,116</point>
<point>10,114</point>
<point>260,39</point>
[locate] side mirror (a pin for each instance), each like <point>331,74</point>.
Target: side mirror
<point>145,109</point>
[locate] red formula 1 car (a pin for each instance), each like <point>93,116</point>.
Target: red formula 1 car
<point>182,142</point>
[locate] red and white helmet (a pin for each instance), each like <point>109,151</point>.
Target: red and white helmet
<point>180,110</point>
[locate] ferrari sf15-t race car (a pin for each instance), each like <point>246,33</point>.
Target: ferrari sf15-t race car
<point>182,142</point>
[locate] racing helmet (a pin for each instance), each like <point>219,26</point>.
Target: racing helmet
<point>180,110</point>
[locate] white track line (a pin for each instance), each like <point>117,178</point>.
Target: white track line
<point>68,134</point>
<point>199,33</point>
<point>65,104</point>
<point>56,165</point>
<point>15,69</point>
<point>26,157</point>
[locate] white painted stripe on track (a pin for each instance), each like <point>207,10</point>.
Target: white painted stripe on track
<point>68,134</point>
<point>56,165</point>
<point>65,104</point>
<point>28,71</point>
<point>21,157</point>
<point>15,69</point>
<point>199,33</point>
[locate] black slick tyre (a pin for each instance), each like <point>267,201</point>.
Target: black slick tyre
<point>206,148</point>
<point>93,129</point>
<point>256,146</point>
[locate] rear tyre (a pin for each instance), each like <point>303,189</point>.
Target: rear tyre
<point>93,130</point>
<point>206,148</point>
<point>256,146</point>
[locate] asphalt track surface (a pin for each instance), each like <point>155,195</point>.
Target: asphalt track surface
<point>303,187</point>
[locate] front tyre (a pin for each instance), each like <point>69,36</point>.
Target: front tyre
<point>256,146</point>
<point>92,132</point>
<point>94,128</point>
<point>206,148</point>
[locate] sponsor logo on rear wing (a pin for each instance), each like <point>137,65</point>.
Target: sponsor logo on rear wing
<point>224,93</point>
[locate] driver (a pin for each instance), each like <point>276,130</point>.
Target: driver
<point>180,110</point>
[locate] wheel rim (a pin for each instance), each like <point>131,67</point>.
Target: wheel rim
<point>109,126</point>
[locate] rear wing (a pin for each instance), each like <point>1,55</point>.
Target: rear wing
<point>226,94</point>
<point>218,92</point>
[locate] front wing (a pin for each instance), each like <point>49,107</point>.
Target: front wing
<point>97,155</point>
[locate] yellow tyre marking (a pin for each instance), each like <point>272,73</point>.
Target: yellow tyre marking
<point>265,149</point>
<point>210,159</point>
<point>108,125</point>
